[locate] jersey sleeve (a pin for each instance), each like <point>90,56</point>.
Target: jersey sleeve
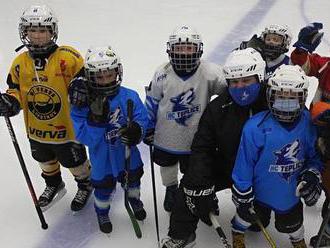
<point>203,151</point>
<point>13,80</point>
<point>140,114</point>
<point>247,157</point>
<point>310,63</point>
<point>85,134</point>
<point>154,93</point>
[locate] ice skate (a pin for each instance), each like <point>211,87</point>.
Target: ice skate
<point>51,195</point>
<point>180,243</point>
<point>81,198</point>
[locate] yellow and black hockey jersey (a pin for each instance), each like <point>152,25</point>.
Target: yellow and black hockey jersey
<point>43,93</point>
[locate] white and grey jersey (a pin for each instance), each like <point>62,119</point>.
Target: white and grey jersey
<point>175,105</point>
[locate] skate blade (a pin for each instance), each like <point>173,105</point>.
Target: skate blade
<point>57,197</point>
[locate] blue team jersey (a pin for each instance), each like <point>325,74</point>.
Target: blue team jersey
<point>271,157</point>
<point>273,65</point>
<point>106,152</point>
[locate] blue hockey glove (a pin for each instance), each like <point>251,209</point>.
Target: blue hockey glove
<point>78,92</point>
<point>130,135</point>
<point>201,201</point>
<point>309,186</point>
<point>244,201</point>
<point>149,137</point>
<point>309,37</point>
<point>9,105</point>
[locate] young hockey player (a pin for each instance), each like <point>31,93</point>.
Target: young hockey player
<point>215,144</point>
<point>273,43</point>
<point>313,64</point>
<point>38,82</point>
<point>99,114</point>
<point>277,161</point>
<point>175,100</point>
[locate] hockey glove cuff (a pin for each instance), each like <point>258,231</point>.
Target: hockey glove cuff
<point>243,201</point>
<point>201,201</point>
<point>9,105</point>
<point>149,137</point>
<point>309,186</point>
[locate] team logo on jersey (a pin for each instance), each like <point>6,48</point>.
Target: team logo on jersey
<point>63,65</point>
<point>43,102</point>
<point>115,120</point>
<point>287,162</point>
<point>183,109</point>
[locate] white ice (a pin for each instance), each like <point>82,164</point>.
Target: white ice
<point>138,31</point>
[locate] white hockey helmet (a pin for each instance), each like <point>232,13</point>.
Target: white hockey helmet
<point>244,63</point>
<point>101,60</point>
<point>271,51</point>
<point>38,16</point>
<point>287,92</point>
<point>185,36</point>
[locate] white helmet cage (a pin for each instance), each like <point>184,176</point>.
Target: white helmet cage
<point>271,51</point>
<point>38,16</point>
<point>181,36</point>
<point>286,83</point>
<point>103,59</point>
<point>244,63</point>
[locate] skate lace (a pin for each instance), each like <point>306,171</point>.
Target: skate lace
<point>81,196</point>
<point>103,219</point>
<point>49,191</point>
<point>173,243</point>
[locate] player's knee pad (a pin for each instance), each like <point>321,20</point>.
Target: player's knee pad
<point>169,175</point>
<point>297,235</point>
<point>50,168</point>
<point>82,171</point>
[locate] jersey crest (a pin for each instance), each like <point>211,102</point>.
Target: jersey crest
<point>183,107</point>
<point>287,162</point>
<point>115,120</point>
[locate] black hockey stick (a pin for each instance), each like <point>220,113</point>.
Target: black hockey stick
<point>219,230</point>
<point>135,224</point>
<point>44,225</point>
<point>154,191</point>
<point>322,228</point>
<point>263,229</point>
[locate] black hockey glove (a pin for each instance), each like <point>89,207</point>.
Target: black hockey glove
<point>99,111</point>
<point>131,135</point>
<point>244,202</point>
<point>78,92</point>
<point>309,186</point>
<point>255,42</point>
<point>309,37</point>
<point>149,137</point>
<point>201,201</point>
<point>9,105</point>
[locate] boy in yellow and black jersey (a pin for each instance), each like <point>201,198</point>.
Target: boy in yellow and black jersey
<point>38,84</point>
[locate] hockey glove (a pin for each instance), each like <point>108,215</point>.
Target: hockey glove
<point>131,135</point>
<point>99,111</point>
<point>149,138</point>
<point>201,201</point>
<point>78,92</point>
<point>309,37</point>
<point>309,186</point>
<point>9,105</point>
<point>255,42</point>
<point>244,201</point>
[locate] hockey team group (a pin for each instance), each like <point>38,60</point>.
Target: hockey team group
<point>257,137</point>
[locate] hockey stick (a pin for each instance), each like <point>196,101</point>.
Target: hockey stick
<point>135,224</point>
<point>219,230</point>
<point>154,191</point>
<point>261,226</point>
<point>322,228</point>
<point>44,225</point>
